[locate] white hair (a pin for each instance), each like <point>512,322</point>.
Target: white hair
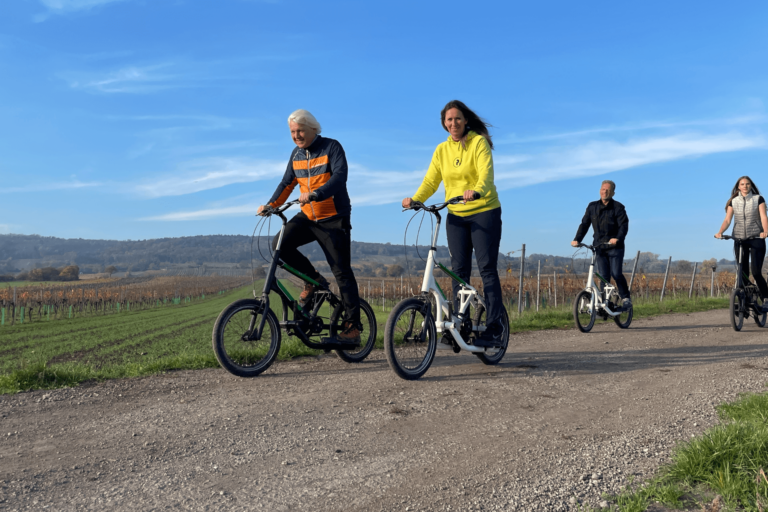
<point>304,117</point>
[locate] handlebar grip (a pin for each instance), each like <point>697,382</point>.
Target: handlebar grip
<point>476,195</point>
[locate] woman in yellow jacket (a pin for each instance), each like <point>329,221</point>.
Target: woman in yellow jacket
<point>464,163</point>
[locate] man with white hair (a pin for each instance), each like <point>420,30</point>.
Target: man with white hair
<point>610,225</point>
<point>319,166</point>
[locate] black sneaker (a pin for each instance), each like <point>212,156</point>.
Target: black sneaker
<point>491,337</point>
<point>626,303</point>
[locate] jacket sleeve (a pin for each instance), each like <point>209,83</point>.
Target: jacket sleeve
<point>586,221</point>
<point>431,181</point>
<point>623,220</point>
<point>286,186</point>
<point>484,165</point>
<point>339,170</point>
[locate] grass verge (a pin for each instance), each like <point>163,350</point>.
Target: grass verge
<point>562,316</point>
<point>727,460</point>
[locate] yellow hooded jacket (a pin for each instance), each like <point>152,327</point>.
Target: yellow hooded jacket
<point>462,168</point>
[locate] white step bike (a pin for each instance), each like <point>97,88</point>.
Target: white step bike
<point>413,326</point>
<point>590,302</point>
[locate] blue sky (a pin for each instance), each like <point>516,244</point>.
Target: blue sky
<point>136,119</point>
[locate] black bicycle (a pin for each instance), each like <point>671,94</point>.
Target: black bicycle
<point>745,297</point>
<point>247,334</point>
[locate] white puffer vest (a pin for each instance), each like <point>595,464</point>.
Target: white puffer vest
<point>746,216</point>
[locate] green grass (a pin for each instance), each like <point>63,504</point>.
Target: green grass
<point>562,316</point>
<point>65,352</point>
<point>726,460</point>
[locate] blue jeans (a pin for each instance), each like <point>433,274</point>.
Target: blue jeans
<point>481,232</point>
<point>609,265</point>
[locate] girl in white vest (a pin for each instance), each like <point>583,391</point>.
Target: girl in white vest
<point>747,209</point>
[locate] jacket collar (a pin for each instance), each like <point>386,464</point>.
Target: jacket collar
<point>316,140</point>
<point>601,205</point>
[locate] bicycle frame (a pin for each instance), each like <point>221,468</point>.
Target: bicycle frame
<point>272,284</point>
<point>467,294</point>
<point>597,297</point>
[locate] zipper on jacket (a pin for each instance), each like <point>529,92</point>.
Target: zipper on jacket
<point>309,186</point>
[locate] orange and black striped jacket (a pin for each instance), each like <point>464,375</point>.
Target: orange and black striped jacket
<point>321,168</point>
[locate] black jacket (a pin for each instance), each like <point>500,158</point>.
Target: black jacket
<point>608,221</point>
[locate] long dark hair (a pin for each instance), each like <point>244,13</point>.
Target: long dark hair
<point>474,122</point>
<point>736,191</point>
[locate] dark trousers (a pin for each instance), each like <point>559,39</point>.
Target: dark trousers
<point>609,264</point>
<point>334,239</point>
<point>754,253</point>
<point>482,232</point>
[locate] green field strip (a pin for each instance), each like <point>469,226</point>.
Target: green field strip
<point>168,331</point>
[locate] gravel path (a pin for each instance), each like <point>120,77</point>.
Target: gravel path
<point>564,418</point>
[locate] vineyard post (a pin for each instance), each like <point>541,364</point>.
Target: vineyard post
<point>13,309</point>
<point>538,286</point>
<point>520,290</point>
<point>634,268</point>
<point>555,272</point>
<point>711,284</point>
<point>666,275</point>
<point>693,278</point>
<point>382,295</point>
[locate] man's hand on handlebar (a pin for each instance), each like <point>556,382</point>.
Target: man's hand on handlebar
<point>718,235</point>
<point>307,197</point>
<point>613,241</point>
<point>263,210</point>
<point>574,244</point>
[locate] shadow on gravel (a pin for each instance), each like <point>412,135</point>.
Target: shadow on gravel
<point>600,362</point>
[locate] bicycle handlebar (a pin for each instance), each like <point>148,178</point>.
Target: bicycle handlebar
<point>729,237</point>
<point>594,247</point>
<point>417,205</point>
<point>268,210</point>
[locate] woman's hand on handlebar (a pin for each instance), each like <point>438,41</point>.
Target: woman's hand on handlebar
<point>470,195</point>
<point>407,202</point>
<point>718,235</point>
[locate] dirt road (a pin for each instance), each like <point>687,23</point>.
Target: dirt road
<point>564,418</point>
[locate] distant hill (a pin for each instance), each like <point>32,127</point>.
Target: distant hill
<point>25,252</point>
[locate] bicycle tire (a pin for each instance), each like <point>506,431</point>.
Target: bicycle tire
<point>237,355</point>
<point>759,318</point>
<point>624,319</point>
<point>583,310</point>
<point>493,356</point>
<point>410,358</point>
<point>367,335</point>
<point>736,304</point>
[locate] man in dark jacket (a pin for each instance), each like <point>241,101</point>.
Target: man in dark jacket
<point>319,166</point>
<point>610,224</point>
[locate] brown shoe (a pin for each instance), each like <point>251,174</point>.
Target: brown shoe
<point>349,333</point>
<point>309,291</point>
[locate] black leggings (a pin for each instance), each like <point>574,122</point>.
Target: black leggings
<point>481,232</point>
<point>334,239</point>
<point>754,254</point>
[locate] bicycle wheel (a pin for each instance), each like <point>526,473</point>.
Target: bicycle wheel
<point>758,315</point>
<point>737,309</point>
<point>583,313</point>
<point>410,338</point>
<point>493,355</point>
<point>367,334</point>
<point>624,318</point>
<point>233,345</point>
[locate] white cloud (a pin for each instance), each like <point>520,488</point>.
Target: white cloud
<point>131,79</point>
<point>5,228</point>
<point>41,187</point>
<point>68,6</point>
<point>601,157</point>
<point>209,213</point>
<point>212,173</point>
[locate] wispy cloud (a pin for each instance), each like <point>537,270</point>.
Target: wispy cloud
<point>130,79</point>
<point>601,157</point>
<point>69,6</point>
<point>209,213</point>
<point>637,127</point>
<point>211,173</point>
<point>5,228</point>
<point>42,187</point>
